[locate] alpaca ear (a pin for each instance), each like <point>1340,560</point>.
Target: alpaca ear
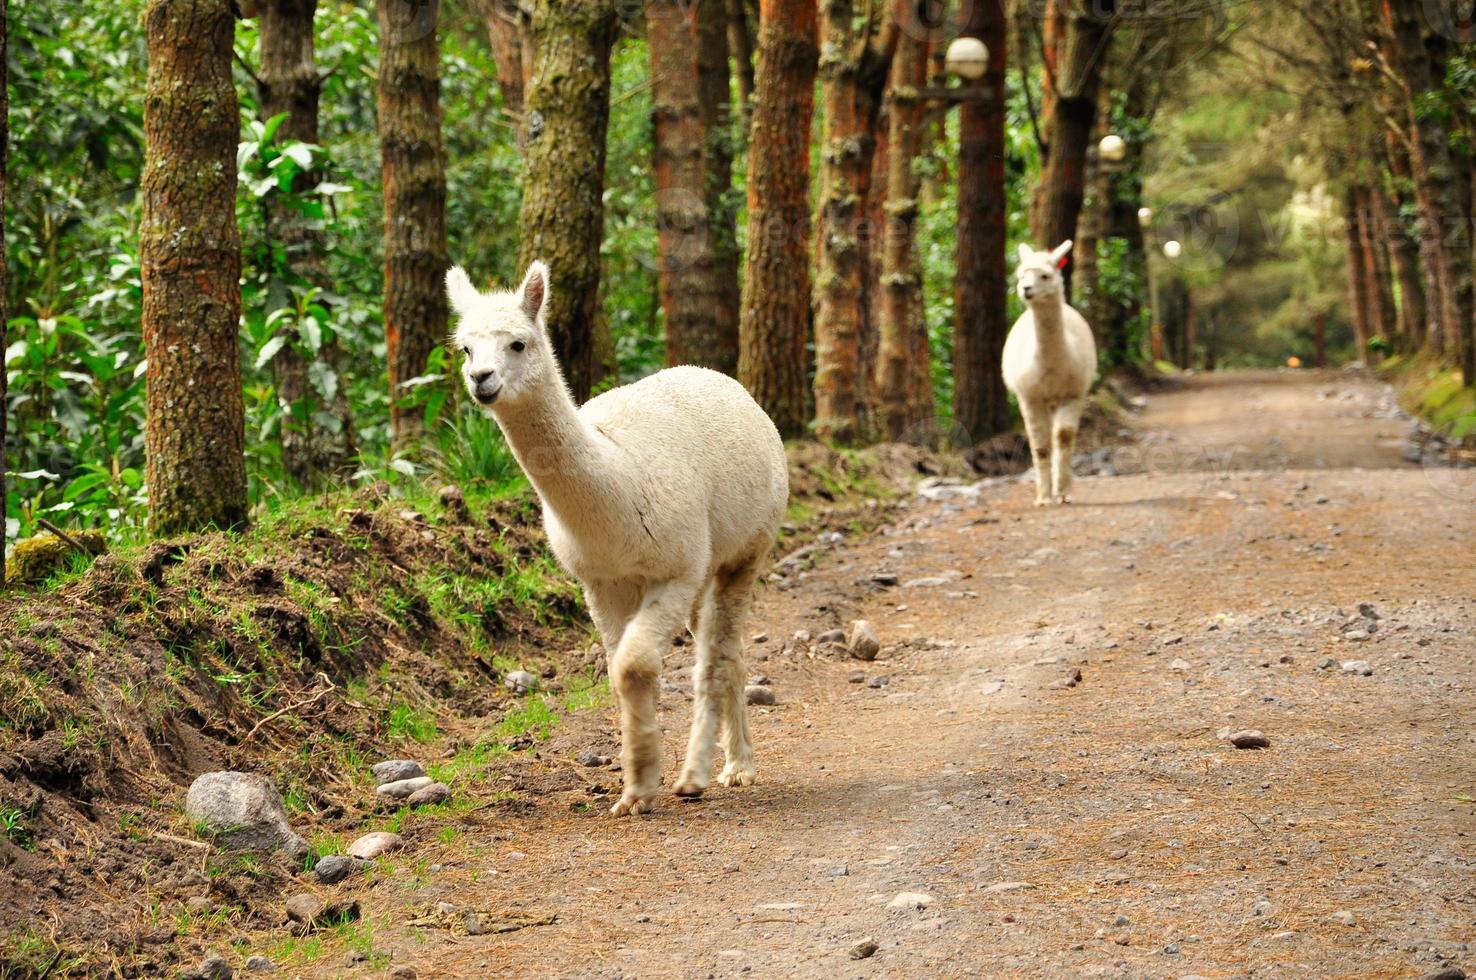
<point>1060,250</point>
<point>459,289</point>
<point>533,293</point>
<point>1026,252</point>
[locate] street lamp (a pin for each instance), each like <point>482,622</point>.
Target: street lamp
<point>1173,249</point>
<point>1145,217</point>
<point>1112,149</point>
<point>967,57</point>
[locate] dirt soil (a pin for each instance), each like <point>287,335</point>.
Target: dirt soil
<point>1057,827</point>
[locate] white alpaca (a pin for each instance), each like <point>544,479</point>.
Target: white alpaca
<point>1050,360</point>
<point>662,497</point>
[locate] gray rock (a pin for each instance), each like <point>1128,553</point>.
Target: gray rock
<point>214,968</point>
<point>333,868</point>
<point>394,770</point>
<point>199,904</point>
<point>1360,667</point>
<point>1344,917</point>
<point>802,637</point>
<point>455,502</point>
<point>758,694</point>
<point>403,973</point>
<point>371,846</point>
<point>260,964</point>
<point>1009,886</point>
<point>473,923</point>
<point>839,871</point>
<point>1367,611</point>
<point>521,682</point>
<point>1326,663</point>
<point>878,682</point>
<point>863,642</point>
<point>426,795</point>
<point>759,638</point>
<point>1248,739</point>
<point>1448,972</point>
<point>864,950</point>
<point>1122,920</point>
<point>592,759</point>
<point>401,788</point>
<point>831,636</point>
<point>910,900</point>
<point>243,811</point>
<point>763,680</point>
<point>885,579</point>
<point>304,908</point>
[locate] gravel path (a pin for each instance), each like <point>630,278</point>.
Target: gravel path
<point>1045,785</point>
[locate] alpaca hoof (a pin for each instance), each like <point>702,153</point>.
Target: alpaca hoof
<point>690,787</point>
<point>1063,499</point>
<point>1042,502</point>
<point>634,803</point>
<point>733,775</point>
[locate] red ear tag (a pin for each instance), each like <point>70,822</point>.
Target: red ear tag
<point>1062,264</point>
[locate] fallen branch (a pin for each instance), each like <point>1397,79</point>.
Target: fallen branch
<point>293,707</point>
<point>180,840</point>
<point>78,545</point>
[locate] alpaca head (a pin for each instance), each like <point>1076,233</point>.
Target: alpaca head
<point>507,353</point>
<point>1038,277</point>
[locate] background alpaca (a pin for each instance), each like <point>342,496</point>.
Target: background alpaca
<point>1050,360</point>
<point>662,497</point>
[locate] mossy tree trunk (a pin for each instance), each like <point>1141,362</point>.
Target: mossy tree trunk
<point>901,274</point>
<point>562,220</point>
<point>288,82</point>
<point>981,407</point>
<point>857,41</point>
<point>1385,319</point>
<point>190,253</point>
<point>413,165</point>
<point>776,282</point>
<point>715,109</point>
<point>683,225</point>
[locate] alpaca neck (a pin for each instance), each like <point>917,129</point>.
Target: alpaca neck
<point>564,458</point>
<point>1050,326</point>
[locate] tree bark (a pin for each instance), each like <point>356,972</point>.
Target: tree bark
<point>684,261</point>
<point>288,83</point>
<point>853,73</point>
<point>776,289</point>
<point>190,253</point>
<point>413,164</point>
<point>980,404</point>
<point>562,220</point>
<point>1358,304</point>
<point>1384,315</point>
<point>509,37</point>
<point>740,43</point>
<point>1404,250</point>
<point>901,279</point>
<point>715,110</point>
<point>1440,196</point>
<point>1078,78</point>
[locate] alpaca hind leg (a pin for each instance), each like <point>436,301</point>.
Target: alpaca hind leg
<point>635,670</point>
<point>1038,431</point>
<point>732,600</point>
<point>1063,445</point>
<point>706,708</point>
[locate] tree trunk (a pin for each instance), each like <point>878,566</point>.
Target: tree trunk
<point>1405,253</point>
<point>1358,305</point>
<point>853,73</point>
<point>562,221</point>
<point>288,83</point>
<point>682,223</point>
<point>980,404</point>
<point>1436,178</point>
<point>740,43</point>
<point>776,281</point>
<point>901,279</point>
<point>1078,76</point>
<point>4,285</point>
<point>1319,340</point>
<point>510,40</point>
<point>190,253</point>
<point>715,110</point>
<point>1385,320</point>
<point>413,164</point>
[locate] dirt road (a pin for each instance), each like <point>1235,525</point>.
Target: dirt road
<point>1096,828</point>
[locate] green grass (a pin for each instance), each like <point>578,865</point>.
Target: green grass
<point>410,721</point>
<point>13,827</point>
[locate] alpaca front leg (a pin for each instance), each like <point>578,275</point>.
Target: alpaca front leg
<point>635,669</point>
<point>1038,431</point>
<point>706,686</point>
<point>1063,445</point>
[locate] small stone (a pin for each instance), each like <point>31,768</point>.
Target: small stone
<point>394,770</point>
<point>520,682</point>
<point>763,680</point>
<point>864,950</point>
<point>1122,920</point>
<point>592,759</point>
<point>333,868</point>
<point>1326,663</point>
<point>455,502</point>
<point>1448,972</point>
<point>198,905</point>
<point>863,642</point>
<point>1118,854</point>
<point>1356,635</point>
<point>878,682</point>
<point>402,788</point>
<point>831,636</point>
<point>839,871</point>
<point>758,694</point>
<point>1072,678</point>
<point>1367,611</point>
<point>1123,939</point>
<point>910,901</point>
<point>473,923</point>
<point>759,638</point>
<point>1248,739</point>
<point>371,846</point>
<point>1172,949</point>
<point>1344,917</point>
<point>1360,667</point>
<point>885,579</point>
<point>214,968</point>
<point>403,973</point>
<point>1009,886</point>
<point>259,964</point>
<point>1180,664</point>
<point>857,677</point>
<point>1263,907</point>
<point>431,794</point>
<point>802,637</point>
<point>304,908</point>
<point>243,811</point>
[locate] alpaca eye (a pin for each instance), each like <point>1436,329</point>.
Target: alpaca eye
<point>466,350</point>
<point>518,346</point>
